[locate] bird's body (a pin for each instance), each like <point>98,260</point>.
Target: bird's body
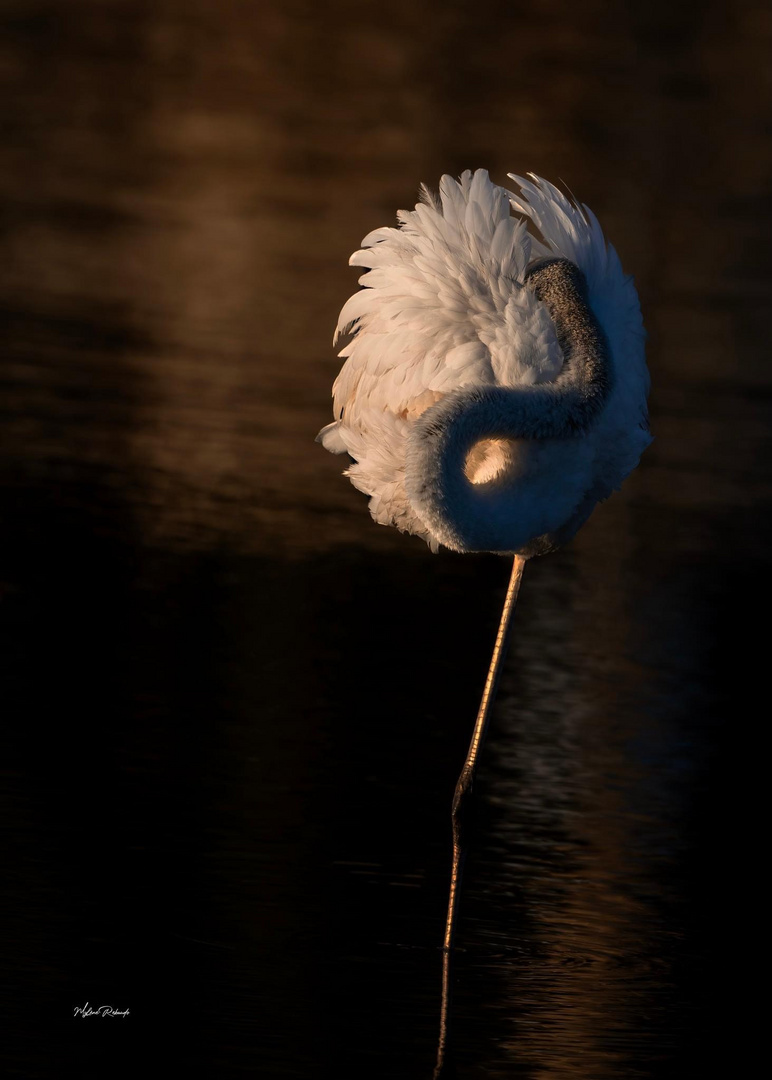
<point>491,396</point>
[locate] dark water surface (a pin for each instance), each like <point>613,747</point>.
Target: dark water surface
<point>235,707</point>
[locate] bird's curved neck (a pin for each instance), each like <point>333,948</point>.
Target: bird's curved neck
<point>468,517</point>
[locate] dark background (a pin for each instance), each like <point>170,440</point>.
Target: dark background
<point>235,708</point>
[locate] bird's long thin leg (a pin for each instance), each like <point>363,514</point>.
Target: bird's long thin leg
<point>463,787</point>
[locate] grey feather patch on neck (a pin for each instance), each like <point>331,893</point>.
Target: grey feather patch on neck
<point>437,487</point>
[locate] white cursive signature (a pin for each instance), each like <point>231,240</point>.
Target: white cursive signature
<point>102,1010</point>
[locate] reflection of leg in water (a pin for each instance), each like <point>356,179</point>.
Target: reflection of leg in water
<point>460,804</point>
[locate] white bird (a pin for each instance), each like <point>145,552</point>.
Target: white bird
<point>494,388</point>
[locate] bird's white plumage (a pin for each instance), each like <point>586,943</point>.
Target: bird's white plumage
<point>444,308</point>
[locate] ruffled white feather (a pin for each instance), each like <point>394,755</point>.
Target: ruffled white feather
<point>443,307</point>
